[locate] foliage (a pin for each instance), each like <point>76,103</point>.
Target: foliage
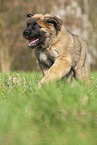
<point>57,114</point>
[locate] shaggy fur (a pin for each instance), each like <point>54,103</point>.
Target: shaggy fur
<point>59,52</point>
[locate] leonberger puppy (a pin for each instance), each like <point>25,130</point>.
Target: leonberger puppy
<point>59,52</point>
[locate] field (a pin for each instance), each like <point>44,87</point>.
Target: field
<point>57,114</point>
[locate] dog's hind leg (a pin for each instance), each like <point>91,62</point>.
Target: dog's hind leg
<point>82,74</point>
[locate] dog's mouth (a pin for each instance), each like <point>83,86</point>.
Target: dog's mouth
<point>33,41</point>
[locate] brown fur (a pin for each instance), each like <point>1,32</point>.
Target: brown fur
<point>62,54</point>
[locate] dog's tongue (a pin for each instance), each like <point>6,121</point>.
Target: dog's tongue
<point>32,41</point>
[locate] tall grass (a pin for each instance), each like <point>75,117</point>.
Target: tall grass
<point>57,114</point>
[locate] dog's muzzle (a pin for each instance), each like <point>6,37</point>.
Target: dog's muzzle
<point>33,41</point>
<point>26,34</point>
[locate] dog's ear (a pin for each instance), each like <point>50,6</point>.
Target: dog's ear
<point>55,21</point>
<point>30,15</point>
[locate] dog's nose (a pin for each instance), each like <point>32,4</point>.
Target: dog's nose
<point>26,32</point>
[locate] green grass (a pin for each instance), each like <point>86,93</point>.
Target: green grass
<point>57,114</point>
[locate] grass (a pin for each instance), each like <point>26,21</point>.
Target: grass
<point>57,114</point>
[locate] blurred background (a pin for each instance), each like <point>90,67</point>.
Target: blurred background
<point>79,16</point>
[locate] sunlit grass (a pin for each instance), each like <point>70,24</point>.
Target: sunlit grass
<point>57,114</point>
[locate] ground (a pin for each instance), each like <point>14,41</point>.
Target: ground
<point>57,114</point>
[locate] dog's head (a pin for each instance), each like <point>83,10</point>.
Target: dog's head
<point>41,29</point>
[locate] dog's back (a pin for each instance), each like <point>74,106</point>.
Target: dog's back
<point>78,51</point>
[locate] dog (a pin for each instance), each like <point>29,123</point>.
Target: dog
<point>59,52</point>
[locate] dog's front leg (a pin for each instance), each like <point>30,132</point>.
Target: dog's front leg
<point>43,68</point>
<point>59,69</point>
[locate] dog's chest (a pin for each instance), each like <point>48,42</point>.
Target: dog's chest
<point>45,57</point>
<point>48,56</point>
